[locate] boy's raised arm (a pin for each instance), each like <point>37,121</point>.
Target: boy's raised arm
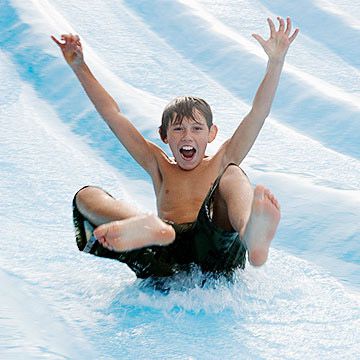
<point>128,135</point>
<point>275,47</point>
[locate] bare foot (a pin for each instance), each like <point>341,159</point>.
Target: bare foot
<point>134,233</point>
<point>260,230</point>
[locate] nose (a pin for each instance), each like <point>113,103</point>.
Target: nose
<point>186,134</point>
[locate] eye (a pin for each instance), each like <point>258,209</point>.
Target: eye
<point>177,128</point>
<point>198,128</point>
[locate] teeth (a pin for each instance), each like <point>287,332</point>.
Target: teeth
<point>187,147</point>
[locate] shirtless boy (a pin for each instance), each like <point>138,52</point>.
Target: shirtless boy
<point>208,213</point>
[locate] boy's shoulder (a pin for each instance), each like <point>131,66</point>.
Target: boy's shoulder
<point>160,154</point>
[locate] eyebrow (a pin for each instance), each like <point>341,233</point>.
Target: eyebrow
<point>196,124</point>
<point>193,121</point>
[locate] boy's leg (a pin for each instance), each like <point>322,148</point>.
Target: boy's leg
<point>129,229</point>
<point>254,214</point>
<point>99,207</point>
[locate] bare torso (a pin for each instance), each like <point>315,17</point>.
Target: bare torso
<point>180,193</point>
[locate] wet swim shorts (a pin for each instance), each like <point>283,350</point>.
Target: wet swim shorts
<point>202,242</point>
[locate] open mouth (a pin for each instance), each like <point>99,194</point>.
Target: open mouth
<point>187,152</point>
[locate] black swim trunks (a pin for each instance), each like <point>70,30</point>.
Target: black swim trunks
<point>202,242</point>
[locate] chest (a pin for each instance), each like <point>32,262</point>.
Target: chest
<point>187,186</point>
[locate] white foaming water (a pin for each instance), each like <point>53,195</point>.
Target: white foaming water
<point>58,303</point>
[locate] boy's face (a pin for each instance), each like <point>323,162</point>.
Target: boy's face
<point>188,140</point>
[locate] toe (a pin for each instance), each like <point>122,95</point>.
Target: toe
<point>100,232</point>
<point>259,192</point>
<point>277,204</point>
<point>268,195</point>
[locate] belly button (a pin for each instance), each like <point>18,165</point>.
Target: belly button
<point>167,191</point>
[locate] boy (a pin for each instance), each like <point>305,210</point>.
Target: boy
<point>211,228</point>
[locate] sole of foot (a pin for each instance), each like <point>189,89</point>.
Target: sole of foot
<point>134,233</point>
<point>262,225</point>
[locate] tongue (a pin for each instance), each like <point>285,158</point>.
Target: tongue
<point>188,153</point>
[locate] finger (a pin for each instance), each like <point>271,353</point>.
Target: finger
<point>288,26</point>
<point>260,40</point>
<point>65,38</point>
<point>281,23</point>
<point>272,27</point>
<point>56,41</point>
<point>74,37</point>
<point>77,40</point>
<point>293,36</point>
<point>71,38</point>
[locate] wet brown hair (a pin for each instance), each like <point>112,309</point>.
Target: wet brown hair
<point>181,107</point>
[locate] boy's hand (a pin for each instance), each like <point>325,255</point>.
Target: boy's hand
<point>278,43</point>
<point>71,49</point>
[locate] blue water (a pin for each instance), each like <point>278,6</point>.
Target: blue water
<point>57,303</point>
